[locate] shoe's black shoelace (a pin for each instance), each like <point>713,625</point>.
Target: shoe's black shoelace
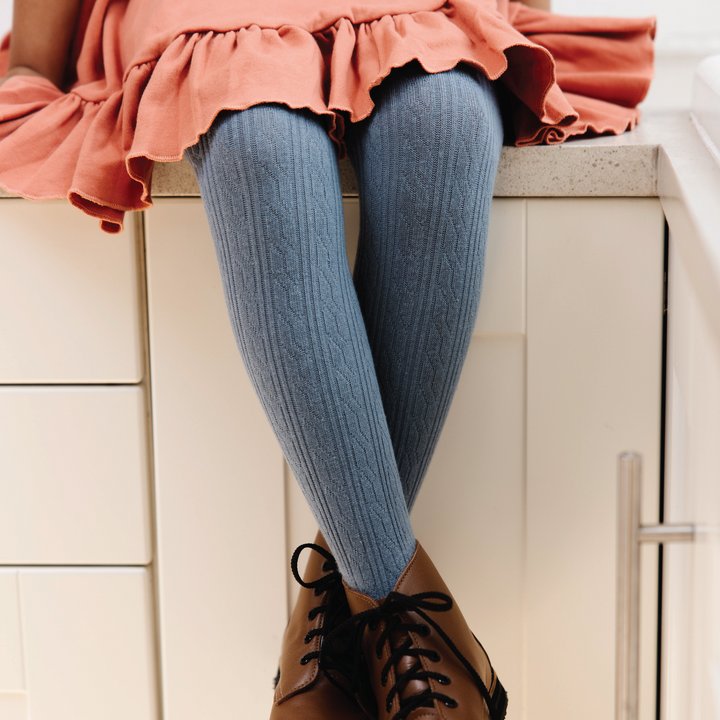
<point>389,612</point>
<point>334,656</point>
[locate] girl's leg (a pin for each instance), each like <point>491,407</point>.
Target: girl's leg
<point>425,161</point>
<point>270,185</point>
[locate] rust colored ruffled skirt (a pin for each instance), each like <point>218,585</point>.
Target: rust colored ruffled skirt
<point>150,76</point>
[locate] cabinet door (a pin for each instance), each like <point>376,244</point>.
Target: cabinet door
<point>219,483</point>
<point>69,297</point>
<point>595,314</point>
<point>76,645</point>
<point>74,483</point>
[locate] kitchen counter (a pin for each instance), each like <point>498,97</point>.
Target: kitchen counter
<point>607,166</point>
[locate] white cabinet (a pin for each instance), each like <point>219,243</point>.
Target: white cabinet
<point>518,509</point>
<point>70,307</point>
<point>595,313</point>
<point>219,487</point>
<point>503,303</point>
<point>76,644</point>
<point>563,373</point>
<point>74,485</point>
<point>520,498</point>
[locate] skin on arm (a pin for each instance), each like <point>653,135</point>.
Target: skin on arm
<point>42,34</point>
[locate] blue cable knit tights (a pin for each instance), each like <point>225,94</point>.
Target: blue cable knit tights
<point>356,378</point>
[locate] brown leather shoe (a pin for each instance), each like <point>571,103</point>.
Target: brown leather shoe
<point>313,681</point>
<point>424,661</point>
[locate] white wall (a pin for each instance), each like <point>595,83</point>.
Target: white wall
<point>5,16</point>
<point>681,25</point>
<point>687,33</point>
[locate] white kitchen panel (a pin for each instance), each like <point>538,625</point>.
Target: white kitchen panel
<point>12,674</point>
<point>89,643</point>
<point>691,577</point>
<point>470,513</point>
<point>502,307</point>
<point>219,487</point>
<point>595,293</point>
<point>74,486</point>
<point>14,706</point>
<point>69,297</point>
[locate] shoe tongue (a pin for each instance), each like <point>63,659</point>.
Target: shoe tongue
<point>420,576</point>
<point>414,687</point>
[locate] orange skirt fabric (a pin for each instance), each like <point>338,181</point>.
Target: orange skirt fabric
<point>148,77</point>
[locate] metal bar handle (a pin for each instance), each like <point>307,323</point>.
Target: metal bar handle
<point>630,534</point>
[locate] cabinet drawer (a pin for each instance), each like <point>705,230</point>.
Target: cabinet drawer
<point>73,476</point>
<point>69,299</point>
<point>77,644</point>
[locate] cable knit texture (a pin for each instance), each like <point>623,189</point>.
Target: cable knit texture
<point>426,163</point>
<point>344,406</point>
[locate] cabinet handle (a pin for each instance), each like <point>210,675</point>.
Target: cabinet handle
<point>630,534</point>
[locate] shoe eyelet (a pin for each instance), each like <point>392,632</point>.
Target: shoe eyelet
<point>372,626</point>
<point>388,706</point>
<point>425,632</point>
<point>308,639</point>
<point>444,680</point>
<point>378,655</point>
<point>451,703</point>
<point>304,660</point>
<point>435,657</point>
<point>383,680</point>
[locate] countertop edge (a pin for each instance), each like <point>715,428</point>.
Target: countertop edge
<point>689,188</point>
<point>574,169</point>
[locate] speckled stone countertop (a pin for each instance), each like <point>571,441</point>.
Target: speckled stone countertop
<point>623,166</point>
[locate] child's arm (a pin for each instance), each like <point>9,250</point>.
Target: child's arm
<point>41,37</point>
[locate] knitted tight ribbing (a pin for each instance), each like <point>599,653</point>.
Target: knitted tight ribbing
<point>357,412</point>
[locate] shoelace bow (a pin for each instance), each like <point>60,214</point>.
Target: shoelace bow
<point>335,655</point>
<point>389,613</point>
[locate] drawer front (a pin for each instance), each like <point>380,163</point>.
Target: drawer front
<point>77,644</point>
<point>69,297</point>
<point>73,476</point>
